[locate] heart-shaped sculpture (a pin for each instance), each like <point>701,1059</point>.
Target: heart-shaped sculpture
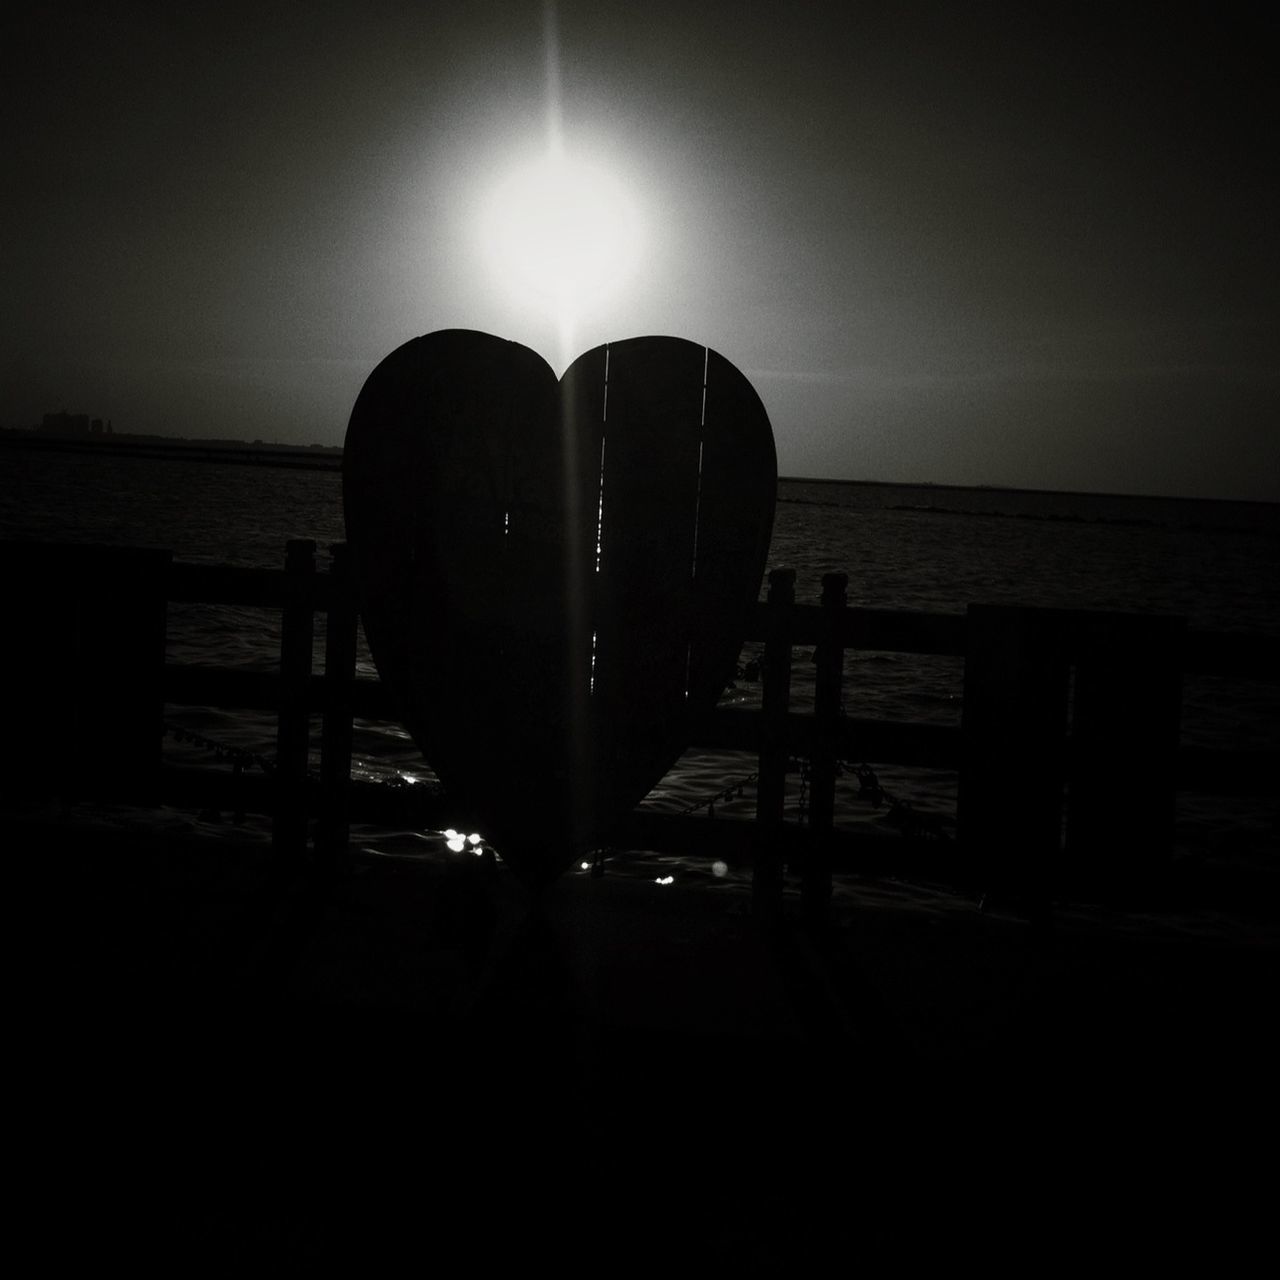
<point>555,577</point>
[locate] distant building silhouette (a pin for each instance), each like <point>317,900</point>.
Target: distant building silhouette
<point>72,425</point>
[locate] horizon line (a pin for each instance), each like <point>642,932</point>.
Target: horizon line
<point>230,444</point>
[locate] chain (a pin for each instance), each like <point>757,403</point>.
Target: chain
<point>798,764</point>
<point>749,672</point>
<point>902,812</point>
<point>732,792</point>
<point>240,758</point>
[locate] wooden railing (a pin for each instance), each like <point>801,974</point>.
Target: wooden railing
<point>1067,752</point>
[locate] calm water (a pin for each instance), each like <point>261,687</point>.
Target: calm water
<point>903,547</point>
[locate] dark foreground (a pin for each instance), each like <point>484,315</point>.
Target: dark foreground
<point>416,1066</point>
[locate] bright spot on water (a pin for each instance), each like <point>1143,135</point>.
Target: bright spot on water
<point>586,866</point>
<point>456,843</point>
<point>719,869</point>
<point>665,880</point>
<point>450,834</point>
<point>473,840</point>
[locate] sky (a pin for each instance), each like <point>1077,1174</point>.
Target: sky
<point>961,244</point>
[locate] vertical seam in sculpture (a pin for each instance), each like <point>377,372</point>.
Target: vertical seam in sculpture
<point>706,362</point>
<point>604,417</point>
<point>702,427</point>
<point>697,513</point>
<point>600,507</point>
<point>697,508</point>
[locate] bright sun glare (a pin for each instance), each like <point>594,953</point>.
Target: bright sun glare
<point>562,234</point>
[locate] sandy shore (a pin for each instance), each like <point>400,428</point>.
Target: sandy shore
<point>231,1073</point>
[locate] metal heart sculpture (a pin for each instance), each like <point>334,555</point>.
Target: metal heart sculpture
<point>555,577</point>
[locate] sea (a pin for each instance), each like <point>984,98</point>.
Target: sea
<point>929,548</point>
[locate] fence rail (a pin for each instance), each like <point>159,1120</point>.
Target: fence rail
<point>1061,710</point>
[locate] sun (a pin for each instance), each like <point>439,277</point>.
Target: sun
<point>562,234</point>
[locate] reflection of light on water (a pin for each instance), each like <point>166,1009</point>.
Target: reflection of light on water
<point>457,842</point>
<point>665,880</point>
<point>719,869</point>
<point>586,866</point>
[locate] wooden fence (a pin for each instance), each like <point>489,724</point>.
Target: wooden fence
<point>1067,753</point>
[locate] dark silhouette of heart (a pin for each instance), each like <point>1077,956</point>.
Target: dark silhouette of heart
<point>555,577</point>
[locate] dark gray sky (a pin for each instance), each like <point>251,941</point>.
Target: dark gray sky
<point>974,244</point>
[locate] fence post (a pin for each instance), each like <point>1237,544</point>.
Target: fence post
<point>1124,744</point>
<point>815,887</point>
<point>293,731</point>
<point>336,729</point>
<point>82,644</point>
<point>771,781</point>
<point>1014,724</point>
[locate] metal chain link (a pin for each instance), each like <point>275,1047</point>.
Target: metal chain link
<point>222,750</point>
<point>902,812</point>
<point>242,759</point>
<point>732,792</point>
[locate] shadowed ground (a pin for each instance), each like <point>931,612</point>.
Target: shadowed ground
<point>417,1059</point>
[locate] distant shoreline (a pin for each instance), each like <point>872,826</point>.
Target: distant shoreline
<point>1009,488</point>
<point>315,457</point>
<point>326,457</point>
